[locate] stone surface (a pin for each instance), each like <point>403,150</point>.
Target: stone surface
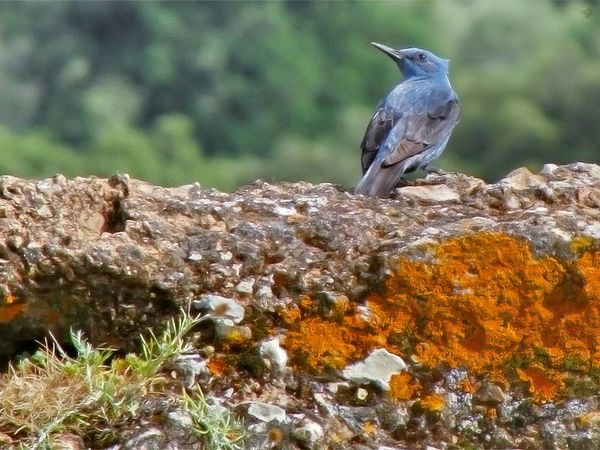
<point>309,434</point>
<point>216,307</point>
<point>490,394</point>
<point>469,283</point>
<point>275,356</point>
<point>266,412</point>
<point>377,368</point>
<point>431,194</point>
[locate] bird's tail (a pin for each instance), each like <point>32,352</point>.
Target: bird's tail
<point>379,181</point>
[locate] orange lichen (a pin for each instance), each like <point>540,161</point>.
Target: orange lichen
<point>491,413</point>
<point>319,344</point>
<point>9,298</point>
<point>290,316</point>
<point>216,366</point>
<point>9,312</point>
<point>543,385</point>
<point>432,403</point>
<point>480,301</point>
<point>369,427</point>
<point>468,385</point>
<point>403,386</point>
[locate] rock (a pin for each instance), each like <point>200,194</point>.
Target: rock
<point>362,394</point>
<point>226,331</point>
<point>521,179</point>
<point>463,277</point>
<point>179,423</point>
<point>67,441</point>
<point>217,307</point>
<point>308,434</point>
<point>489,394</point>
<point>266,412</point>
<point>191,366</point>
<point>377,368</point>
<point>149,439</point>
<point>274,356</point>
<point>245,286</point>
<point>592,230</point>
<point>429,194</point>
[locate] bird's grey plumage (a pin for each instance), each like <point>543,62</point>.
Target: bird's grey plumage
<point>412,125</point>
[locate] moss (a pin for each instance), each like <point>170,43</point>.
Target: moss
<point>482,302</point>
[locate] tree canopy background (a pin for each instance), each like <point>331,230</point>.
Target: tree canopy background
<point>227,92</point>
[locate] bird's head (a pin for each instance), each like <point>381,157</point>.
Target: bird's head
<point>414,62</point>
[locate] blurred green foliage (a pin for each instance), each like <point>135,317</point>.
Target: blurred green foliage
<point>227,92</point>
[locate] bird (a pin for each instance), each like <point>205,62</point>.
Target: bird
<point>412,124</point>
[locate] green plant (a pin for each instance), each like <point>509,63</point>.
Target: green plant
<point>95,392</point>
<point>210,422</point>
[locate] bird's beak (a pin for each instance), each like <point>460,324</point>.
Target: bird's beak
<point>396,55</point>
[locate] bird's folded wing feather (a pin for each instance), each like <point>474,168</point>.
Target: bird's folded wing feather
<point>379,127</point>
<point>425,128</point>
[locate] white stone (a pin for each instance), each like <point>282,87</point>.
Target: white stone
<point>377,368</point>
<point>592,230</point>
<point>218,307</point>
<point>283,211</point>
<point>273,354</point>
<point>266,412</point>
<point>436,193</point>
<point>521,179</point>
<point>264,292</point>
<point>309,434</point>
<point>548,169</point>
<point>195,256</point>
<point>191,366</point>
<point>362,394</point>
<point>564,235</point>
<point>245,286</point>
<point>226,256</point>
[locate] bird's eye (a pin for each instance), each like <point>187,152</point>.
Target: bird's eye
<point>422,57</point>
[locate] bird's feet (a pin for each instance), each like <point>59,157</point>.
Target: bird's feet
<point>401,183</point>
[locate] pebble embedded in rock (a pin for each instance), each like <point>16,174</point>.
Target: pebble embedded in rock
<point>377,368</point>
<point>179,423</point>
<point>219,307</point>
<point>592,230</point>
<point>273,354</point>
<point>266,412</point>
<point>490,394</point>
<point>227,331</point>
<point>521,179</point>
<point>436,193</point>
<point>245,286</point>
<point>149,439</point>
<point>285,212</point>
<point>362,394</point>
<point>63,441</point>
<point>309,434</point>
<point>190,366</point>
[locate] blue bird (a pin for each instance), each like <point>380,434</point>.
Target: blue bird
<point>412,124</point>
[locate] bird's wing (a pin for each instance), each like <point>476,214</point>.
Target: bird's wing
<point>379,127</point>
<point>426,127</point>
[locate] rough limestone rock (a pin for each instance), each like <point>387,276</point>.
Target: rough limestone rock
<point>490,294</point>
